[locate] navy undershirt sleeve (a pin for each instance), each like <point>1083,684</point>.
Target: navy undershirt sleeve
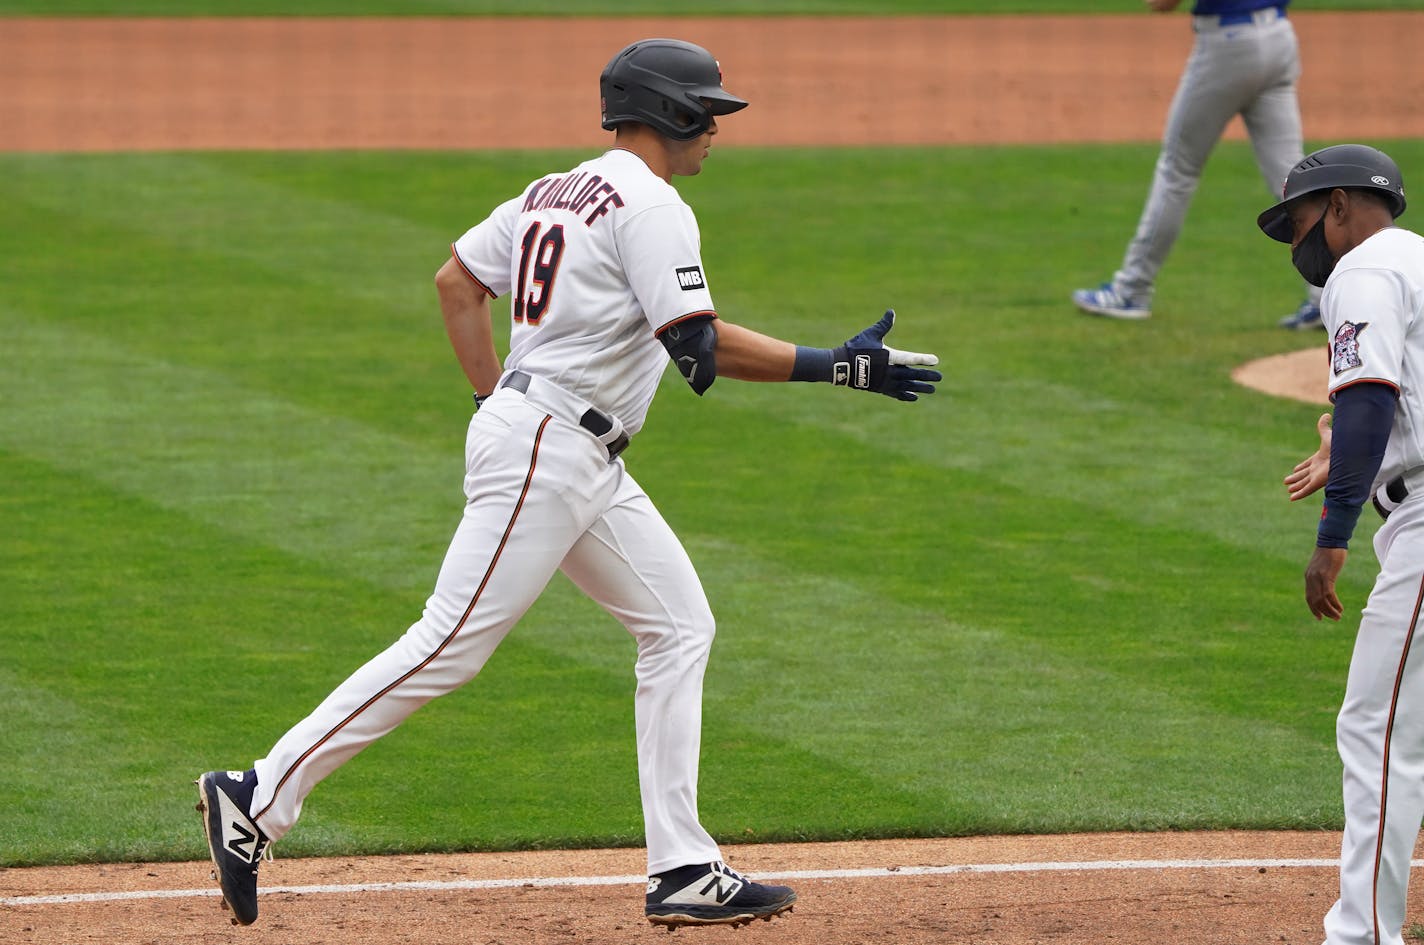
<point>813,364</point>
<point>1364,415</point>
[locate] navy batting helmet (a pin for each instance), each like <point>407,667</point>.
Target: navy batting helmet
<point>1340,165</point>
<point>672,86</point>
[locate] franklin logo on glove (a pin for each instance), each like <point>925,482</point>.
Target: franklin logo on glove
<point>862,371</point>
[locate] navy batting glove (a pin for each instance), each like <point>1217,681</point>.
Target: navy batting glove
<point>865,362</point>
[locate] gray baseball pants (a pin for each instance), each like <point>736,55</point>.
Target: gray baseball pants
<point>1246,69</point>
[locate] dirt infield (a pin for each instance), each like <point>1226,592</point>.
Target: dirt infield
<point>1133,889</point>
<point>97,85</point>
<point>138,84</point>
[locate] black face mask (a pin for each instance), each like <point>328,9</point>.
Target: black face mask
<point>1312,257</point>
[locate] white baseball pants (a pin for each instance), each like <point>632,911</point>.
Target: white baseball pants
<point>541,496</point>
<point>1380,732</point>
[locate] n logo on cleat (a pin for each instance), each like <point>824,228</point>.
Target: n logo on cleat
<point>720,892</point>
<point>243,838</point>
<point>239,836</point>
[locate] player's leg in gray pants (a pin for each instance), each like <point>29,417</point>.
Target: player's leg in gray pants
<point>1248,70</point>
<point>1273,123</point>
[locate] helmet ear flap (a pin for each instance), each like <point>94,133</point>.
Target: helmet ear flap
<point>691,123</point>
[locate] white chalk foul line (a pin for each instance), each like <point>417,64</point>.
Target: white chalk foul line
<point>546,881</point>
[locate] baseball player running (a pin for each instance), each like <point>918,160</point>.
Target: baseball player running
<point>605,270</point>
<point>1338,215</point>
<point>1245,61</point>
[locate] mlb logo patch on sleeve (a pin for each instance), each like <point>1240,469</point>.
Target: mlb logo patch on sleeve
<point>690,277</point>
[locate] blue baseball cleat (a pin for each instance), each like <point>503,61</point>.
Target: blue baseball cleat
<point>235,843</point>
<point>712,894</point>
<point>1303,318</point>
<point>1105,300</point>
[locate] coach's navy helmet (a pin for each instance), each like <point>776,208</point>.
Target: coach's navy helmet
<point>672,86</point>
<point>1340,165</point>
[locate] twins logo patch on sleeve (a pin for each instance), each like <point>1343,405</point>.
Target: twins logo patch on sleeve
<point>1345,349</point>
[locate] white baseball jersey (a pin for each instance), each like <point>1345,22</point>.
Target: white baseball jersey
<point>599,258</point>
<point>1373,307</point>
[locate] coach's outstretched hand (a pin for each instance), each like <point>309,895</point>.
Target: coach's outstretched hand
<point>875,366</point>
<point>1312,472</point>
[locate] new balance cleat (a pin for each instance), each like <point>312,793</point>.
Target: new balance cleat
<point>235,843</point>
<point>1106,301</point>
<point>712,894</point>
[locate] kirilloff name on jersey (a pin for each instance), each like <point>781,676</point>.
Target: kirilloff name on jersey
<point>690,277</point>
<point>575,193</point>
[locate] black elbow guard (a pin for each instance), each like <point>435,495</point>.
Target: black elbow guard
<point>692,345</point>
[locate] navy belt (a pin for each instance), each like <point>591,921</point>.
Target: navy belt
<point>1395,491</point>
<point>594,421</point>
<point>1245,16</point>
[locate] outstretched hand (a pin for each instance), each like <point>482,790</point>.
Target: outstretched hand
<point>1312,472</point>
<point>873,365</point>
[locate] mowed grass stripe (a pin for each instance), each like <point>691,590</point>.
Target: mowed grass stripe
<point>252,465</point>
<point>261,280</point>
<point>281,474</point>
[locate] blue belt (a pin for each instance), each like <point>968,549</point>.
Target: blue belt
<point>1247,16</point>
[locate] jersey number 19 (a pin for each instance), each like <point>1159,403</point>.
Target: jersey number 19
<point>538,265</point>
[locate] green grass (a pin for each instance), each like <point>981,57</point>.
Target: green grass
<point>607,7</point>
<point>1061,594</point>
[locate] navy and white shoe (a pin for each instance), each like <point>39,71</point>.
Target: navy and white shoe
<point>1304,318</point>
<point>712,894</point>
<point>1107,301</point>
<point>235,843</point>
